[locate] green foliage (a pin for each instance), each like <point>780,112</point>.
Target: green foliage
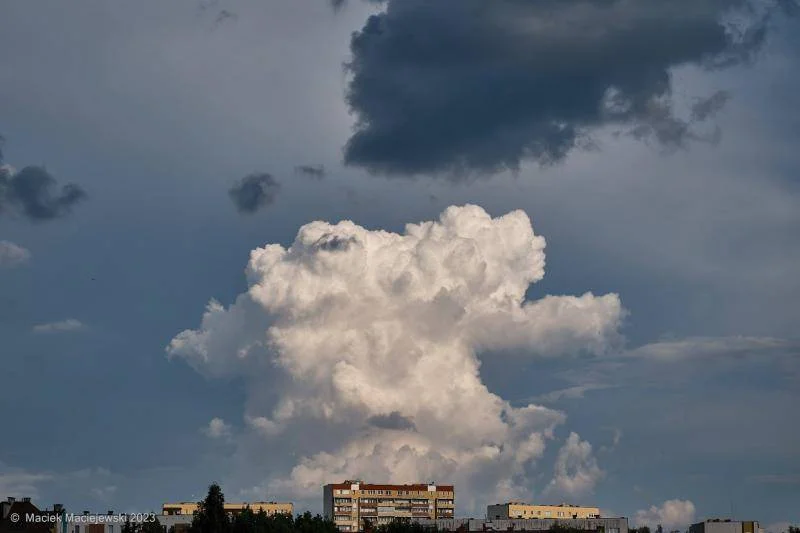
<point>561,528</point>
<point>151,527</point>
<point>305,523</point>
<point>211,516</point>
<point>404,526</point>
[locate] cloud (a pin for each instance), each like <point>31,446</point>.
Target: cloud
<point>672,514</point>
<point>32,192</point>
<point>12,255</point>
<point>569,393</point>
<point>615,442</point>
<point>16,481</point>
<point>312,171</point>
<point>104,493</point>
<point>254,191</point>
<point>70,324</point>
<point>576,469</point>
<point>469,86</point>
<point>352,342</point>
<point>217,429</point>
<point>776,479</point>
<point>393,420</point>
<point>707,347</point>
<point>706,108</point>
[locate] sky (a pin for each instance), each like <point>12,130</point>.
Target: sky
<point>543,250</point>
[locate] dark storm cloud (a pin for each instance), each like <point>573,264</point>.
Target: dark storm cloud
<point>312,171</point>
<point>393,420</point>
<point>462,86</point>
<point>254,191</point>
<point>33,192</point>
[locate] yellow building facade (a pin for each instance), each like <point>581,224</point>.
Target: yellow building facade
<point>190,508</point>
<point>516,510</point>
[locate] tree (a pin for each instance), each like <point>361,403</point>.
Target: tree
<point>306,523</point>
<point>794,529</point>
<point>404,526</point>
<point>128,526</point>
<point>151,527</point>
<point>211,516</point>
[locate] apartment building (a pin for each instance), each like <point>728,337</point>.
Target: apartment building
<point>190,508</point>
<point>519,510</point>
<point>354,504</point>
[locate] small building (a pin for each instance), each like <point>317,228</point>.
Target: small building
<point>725,525</point>
<point>519,510</point>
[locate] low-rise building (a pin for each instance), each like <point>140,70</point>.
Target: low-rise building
<point>720,525</point>
<point>354,505</point>
<point>190,508</point>
<point>519,510</point>
<point>464,525</point>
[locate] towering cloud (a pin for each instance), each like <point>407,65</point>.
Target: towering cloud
<point>475,85</point>
<point>369,340</point>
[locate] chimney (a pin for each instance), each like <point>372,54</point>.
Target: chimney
<point>11,499</point>
<point>26,500</point>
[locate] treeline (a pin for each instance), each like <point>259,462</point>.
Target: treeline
<point>212,518</point>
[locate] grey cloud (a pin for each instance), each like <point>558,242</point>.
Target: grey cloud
<point>465,86</point>
<point>70,324</point>
<point>12,255</point>
<point>254,191</point>
<point>334,243</point>
<point>393,420</point>
<point>312,171</point>
<point>224,16</point>
<point>708,107</point>
<point>32,192</point>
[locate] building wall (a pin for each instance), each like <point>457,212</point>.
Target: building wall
<point>515,510</point>
<point>352,503</point>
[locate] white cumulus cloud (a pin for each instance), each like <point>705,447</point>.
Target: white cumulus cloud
<point>576,469</point>
<point>12,255</point>
<point>217,429</point>
<point>672,514</point>
<point>369,341</point>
